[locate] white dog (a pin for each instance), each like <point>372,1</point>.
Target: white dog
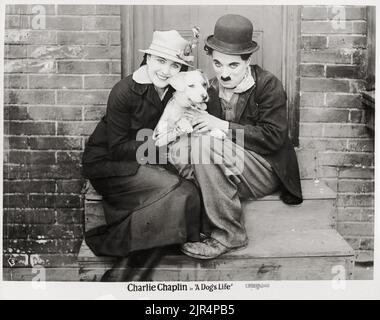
<point>190,95</point>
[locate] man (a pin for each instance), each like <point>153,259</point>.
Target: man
<point>252,101</point>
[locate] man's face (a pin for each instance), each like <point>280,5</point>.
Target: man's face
<point>229,69</point>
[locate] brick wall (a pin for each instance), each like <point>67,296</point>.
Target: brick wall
<point>333,136</point>
<point>57,81</point>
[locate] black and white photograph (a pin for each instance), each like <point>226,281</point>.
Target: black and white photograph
<point>188,148</point>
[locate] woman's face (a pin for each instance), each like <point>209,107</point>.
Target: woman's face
<point>160,70</point>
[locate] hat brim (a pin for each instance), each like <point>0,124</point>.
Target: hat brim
<point>227,48</point>
<point>166,56</point>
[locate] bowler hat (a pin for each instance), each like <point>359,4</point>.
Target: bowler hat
<point>170,45</point>
<point>232,35</point>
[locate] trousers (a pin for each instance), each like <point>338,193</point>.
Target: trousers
<point>225,173</point>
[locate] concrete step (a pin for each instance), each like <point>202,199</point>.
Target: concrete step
<point>286,243</point>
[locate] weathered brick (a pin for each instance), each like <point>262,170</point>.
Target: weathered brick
<point>355,228</point>
<point>324,85</point>
<point>55,81</point>
<point>15,51</point>
<point>331,27</point>
<point>83,38</point>
<point>361,145</point>
<point>356,186</point>
<point>323,144</point>
<point>83,67</point>
<point>355,214</point>
<point>115,67</point>
<point>345,158</point>
<point>70,216</point>
<point>53,260</point>
<point>15,113</point>
<point>357,116</point>
<point>359,172</point>
<point>42,246</point>
<point>94,112</point>
<point>314,13</point>
<point>355,200</point>
<point>63,23</point>
<point>15,200</point>
<point>15,171</point>
<point>347,41</point>
<point>15,66</point>
<point>347,13</point>
<point>115,38</point>
<point>55,143</point>
<point>15,143</point>
<point>357,86</point>
<point>68,201</point>
<point>353,242</point>
<point>101,23</point>
<point>69,186</point>
<point>352,72</point>
<point>312,99</point>
<point>101,52</point>
<point>55,113</point>
<point>313,42</point>
<point>25,186</point>
<point>82,97</point>
<point>108,10</point>
<point>58,171</point>
<point>17,22</point>
<point>327,56</point>
<point>29,216</point>
<point>367,244</point>
<point>81,10</point>
<point>100,81</point>
<point>41,66</point>
<point>31,128</point>
<point>55,52</point>
<point>30,37</point>
<point>323,115</point>
<point>28,157</point>
<point>311,130</point>
<point>15,81</point>
<point>338,100</point>
<point>312,70</point>
<point>23,9</point>
<point>29,97</point>
<point>41,201</point>
<point>69,157</point>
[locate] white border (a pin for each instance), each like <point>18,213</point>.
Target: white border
<point>278,289</point>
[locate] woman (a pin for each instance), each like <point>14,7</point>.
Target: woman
<point>145,206</point>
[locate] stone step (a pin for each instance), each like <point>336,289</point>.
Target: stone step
<point>319,205</point>
<point>286,243</point>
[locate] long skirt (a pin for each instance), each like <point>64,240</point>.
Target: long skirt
<point>153,208</point>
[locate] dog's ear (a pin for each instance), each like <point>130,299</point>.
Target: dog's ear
<point>178,81</point>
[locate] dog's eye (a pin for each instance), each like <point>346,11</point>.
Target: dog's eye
<point>191,86</point>
<point>204,84</point>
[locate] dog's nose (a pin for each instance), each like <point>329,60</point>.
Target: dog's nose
<point>205,97</point>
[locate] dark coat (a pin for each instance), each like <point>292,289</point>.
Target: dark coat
<point>131,106</point>
<point>261,113</point>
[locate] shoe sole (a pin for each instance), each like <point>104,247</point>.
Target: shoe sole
<point>198,256</point>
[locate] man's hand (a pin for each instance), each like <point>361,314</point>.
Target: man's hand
<point>207,122</point>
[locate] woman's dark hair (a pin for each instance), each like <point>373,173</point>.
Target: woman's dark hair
<point>209,51</point>
<point>143,62</point>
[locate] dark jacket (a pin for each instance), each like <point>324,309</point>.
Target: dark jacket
<point>261,113</point>
<point>111,149</point>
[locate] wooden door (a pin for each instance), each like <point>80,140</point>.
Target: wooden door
<point>276,30</point>
<point>267,22</point>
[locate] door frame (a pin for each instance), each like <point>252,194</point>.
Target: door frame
<point>290,58</point>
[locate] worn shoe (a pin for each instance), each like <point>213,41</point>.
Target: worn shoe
<point>209,248</point>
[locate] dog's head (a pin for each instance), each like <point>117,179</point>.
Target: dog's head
<point>193,84</point>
